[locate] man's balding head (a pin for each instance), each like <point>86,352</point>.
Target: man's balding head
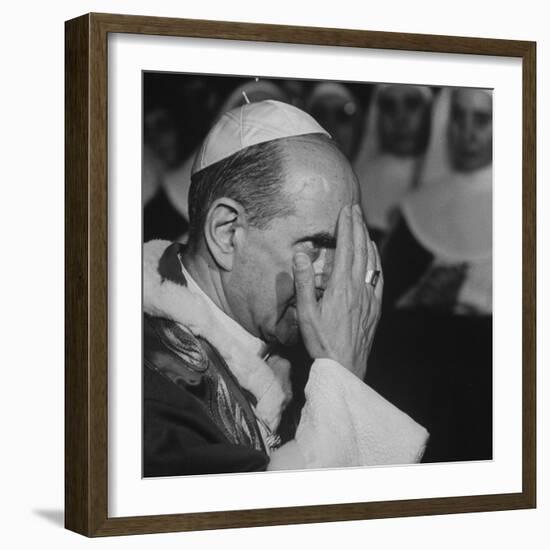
<point>255,177</point>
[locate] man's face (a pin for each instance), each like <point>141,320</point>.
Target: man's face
<point>471,129</point>
<point>260,290</point>
<point>403,120</point>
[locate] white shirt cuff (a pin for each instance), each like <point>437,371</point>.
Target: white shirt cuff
<point>344,422</point>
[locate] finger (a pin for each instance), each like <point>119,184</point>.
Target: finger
<point>343,253</point>
<point>305,287</point>
<point>360,250</point>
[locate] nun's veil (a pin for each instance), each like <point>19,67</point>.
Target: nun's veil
<point>436,164</point>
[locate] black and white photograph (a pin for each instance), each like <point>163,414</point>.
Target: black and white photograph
<point>317,274</point>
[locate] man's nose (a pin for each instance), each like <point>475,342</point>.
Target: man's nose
<point>321,281</point>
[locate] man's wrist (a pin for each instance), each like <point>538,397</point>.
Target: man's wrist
<point>359,371</point>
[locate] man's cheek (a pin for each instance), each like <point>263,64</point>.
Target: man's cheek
<point>284,290</point>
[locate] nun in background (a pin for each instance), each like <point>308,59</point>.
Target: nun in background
<point>396,134</point>
<point>335,108</point>
<point>438,286</point>
<point>172,220</point>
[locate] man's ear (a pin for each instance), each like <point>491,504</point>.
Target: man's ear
<point>225,217</point>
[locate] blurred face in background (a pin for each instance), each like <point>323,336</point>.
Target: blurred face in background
<point>339,115</point>
<point>471,129</point>
<point>295,91</point>
<point>403,120</point>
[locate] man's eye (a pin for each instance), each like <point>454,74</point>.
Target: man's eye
<point>312,250</point>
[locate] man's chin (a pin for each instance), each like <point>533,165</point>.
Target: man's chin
<point>292,339</point>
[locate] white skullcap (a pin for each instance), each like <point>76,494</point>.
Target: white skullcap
<point>251,124</point>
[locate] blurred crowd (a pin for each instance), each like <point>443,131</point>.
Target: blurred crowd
<point>423,158</point>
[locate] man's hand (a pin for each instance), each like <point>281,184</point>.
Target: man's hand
<point>341,325</point>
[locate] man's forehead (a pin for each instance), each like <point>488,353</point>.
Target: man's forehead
<point>315,169</point>
<point>319,182</point>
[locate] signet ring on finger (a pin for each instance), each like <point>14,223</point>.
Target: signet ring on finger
<point>372,277</point>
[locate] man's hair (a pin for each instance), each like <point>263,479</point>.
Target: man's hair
<point>253,177</point>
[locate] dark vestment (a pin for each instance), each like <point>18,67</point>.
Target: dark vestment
<point>197,419</point>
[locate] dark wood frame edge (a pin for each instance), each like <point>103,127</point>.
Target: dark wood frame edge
<point>86,274</point>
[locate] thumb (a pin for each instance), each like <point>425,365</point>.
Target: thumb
<point>305,287</point>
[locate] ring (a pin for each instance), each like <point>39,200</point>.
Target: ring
<point>372,277</point>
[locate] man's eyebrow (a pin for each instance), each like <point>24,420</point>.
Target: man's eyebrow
<point>322,239</point>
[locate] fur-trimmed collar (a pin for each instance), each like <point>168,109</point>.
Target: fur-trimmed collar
<point>163,297</point>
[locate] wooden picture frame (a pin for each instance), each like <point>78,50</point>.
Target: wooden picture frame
<point>86,279</point>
